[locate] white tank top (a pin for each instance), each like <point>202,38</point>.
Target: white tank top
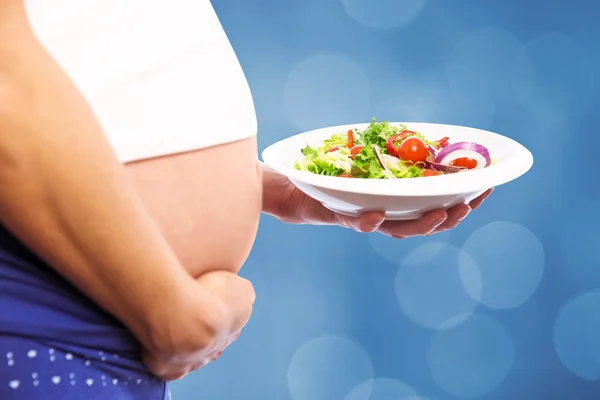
<point>160,75</point>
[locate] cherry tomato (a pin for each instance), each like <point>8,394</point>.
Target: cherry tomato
<point>465,162</point>
<point>350,139</point>
<point>356,149</point>
<point>334,148</point>
<point>390,145</point>
<point>429,172</point>
<point>413,149</point>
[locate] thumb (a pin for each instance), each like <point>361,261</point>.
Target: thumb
<point>368,222</point>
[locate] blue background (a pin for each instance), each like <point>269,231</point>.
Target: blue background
<point>506,306</point>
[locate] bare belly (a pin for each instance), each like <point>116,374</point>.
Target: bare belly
<point>207,203</point>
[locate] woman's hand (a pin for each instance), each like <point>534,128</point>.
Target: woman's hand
<point>214,310</point>
<point>311,211</point>
<point>285,202</point>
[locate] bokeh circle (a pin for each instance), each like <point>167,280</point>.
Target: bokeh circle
<point>580,238</point>
<point>472,359</point>
<point>394,250</point>
<point>383,14</point>
<point>577,336</point>
<point>382,389</point>
<point>510,261</point>
<point>429,288</point>
<point>327,368</point>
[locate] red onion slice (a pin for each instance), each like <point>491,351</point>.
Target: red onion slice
<point>444,168</point>
<point>464,149</point>
<point>432,151</point>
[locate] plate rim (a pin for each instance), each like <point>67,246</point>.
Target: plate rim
<point>519,163</point>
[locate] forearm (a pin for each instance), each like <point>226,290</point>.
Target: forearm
<point>64,194</point>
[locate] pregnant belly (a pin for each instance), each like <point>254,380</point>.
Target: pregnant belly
<point>207,203</point>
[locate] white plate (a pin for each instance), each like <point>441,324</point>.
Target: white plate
<point>401,199</point>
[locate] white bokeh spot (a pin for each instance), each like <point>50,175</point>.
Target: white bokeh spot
<point>510,261</point>
<point>327,368</point>
<point>429,289</point>
<point>394,250</point>
<point>472,359</point>
<point>326,90</point>
<point>577,336</point>
<point>382,389</point>
<point>383,14</point>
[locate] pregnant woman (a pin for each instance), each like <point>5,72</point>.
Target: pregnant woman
<point>124,217</point>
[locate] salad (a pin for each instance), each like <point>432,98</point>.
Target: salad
<point>387,151</point>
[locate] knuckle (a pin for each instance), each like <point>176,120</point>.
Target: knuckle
<point>169,374</point>
<point>365,226</point>
<point>173,376</point>
<point>248,290</point>
<point>423,231</point>
<point>214,320</point>
<point>213,325</point>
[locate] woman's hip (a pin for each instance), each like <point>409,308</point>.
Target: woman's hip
<point>36,370</point>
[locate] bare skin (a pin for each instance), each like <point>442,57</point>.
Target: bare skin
<point>209,212</point>
<point>284,201</point>
<point>239,189</point>
<point>65,195</point>
<point>181,225</point>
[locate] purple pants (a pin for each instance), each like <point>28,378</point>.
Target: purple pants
<point>57,344</point>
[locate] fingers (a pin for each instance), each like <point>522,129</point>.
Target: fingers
<point>455,215</point>
<point>375,221</point>
<point>368,222</point>
<point>170,369</point>
<point>430,223</point>
<point>236,293</point>
<point>215,356</point>
<point>217,315</point>
<point>477,202</point>
<point>420,227</point>
<point>246,298</point>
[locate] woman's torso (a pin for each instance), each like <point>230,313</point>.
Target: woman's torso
<point>170,94</point>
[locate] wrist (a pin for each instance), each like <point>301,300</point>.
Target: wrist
<point>282,200</point>
<point>280,197</point>
<point>179,319</point>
